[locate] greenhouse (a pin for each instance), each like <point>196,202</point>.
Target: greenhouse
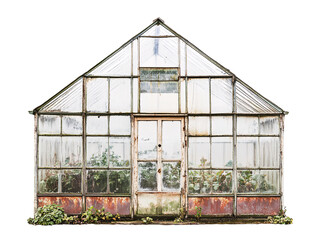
<point>156,128</point>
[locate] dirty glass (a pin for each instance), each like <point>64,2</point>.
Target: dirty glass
<point>182,96</point>
<point>199,181</point>
<point>150,74</point>
<point>135,94</point>
<point>198,96</point>
<point>158,52</point>
<point>49,151</point>
<point>269,125</point>
<point>135,57</point>
<point>269,152</point>
<point>221,95</point>
<point>171,140</point>
<point>269,181</point>
<point>120,95</point>
<point>158,30</point>
<point>71,181</point>
<point>147,180</point>
<point>48,181</point>
<point>171,176</point>
<point>97,181</point>
<point>120,150</point>
<point>147,140</point>
<point>222,152</point>
<point>159,87</point>
<point>119,181</point>
<point>97,151</point>
<point>222,125</point>
<point>247,151</point>
<point>97,125</point>
<point>71,151</point>
<point>198,152</point>
<point>120,125</point>
<point>220,182</point>
<point>71,125</point>
<point>182,58</point>
<point>97,95</point>
<point>199,125</point>
<point>49,124</point>
<point>247,125</point>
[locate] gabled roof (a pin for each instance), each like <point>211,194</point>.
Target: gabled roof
<point>119,63</point>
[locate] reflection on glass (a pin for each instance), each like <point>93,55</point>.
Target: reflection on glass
<point>97,181</point>
<point>147,180</point>
<point>119,181</point>
<point>198,152</point>
<point>119,151</point>
<point>171,176</point>
<point>171,140</point>
<point>147,140</point>
<point>97,151</point>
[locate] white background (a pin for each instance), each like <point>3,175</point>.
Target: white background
<point>271,45</point>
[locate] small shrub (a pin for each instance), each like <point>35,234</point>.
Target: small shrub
<point>198,214</point>
<point>48,215</point>
<point>282,218</point>
<point>71,219</point>
<point>93,215</point>
<point>147,220</point>
<point>178,220</point>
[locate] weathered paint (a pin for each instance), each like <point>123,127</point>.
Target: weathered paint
<point>211,205</point>
<point>71,205</point>
<point>114,205</point>
<point>258,205</point>
<point>158,204</point>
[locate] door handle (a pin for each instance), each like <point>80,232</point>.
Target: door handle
<point>159,170</point>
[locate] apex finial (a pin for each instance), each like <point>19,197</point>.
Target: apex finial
<point>158,20</point>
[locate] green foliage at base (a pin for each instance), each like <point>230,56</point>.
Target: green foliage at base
<point>93,215</point>
<point>48,215</point>
<point>147,220</point>
<point>282,218</point>
<point>198,214</point>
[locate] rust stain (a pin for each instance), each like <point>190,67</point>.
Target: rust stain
<point>120,205</point>
<point>71,205</point>
<point>258,205</point>
<point>211,205</point>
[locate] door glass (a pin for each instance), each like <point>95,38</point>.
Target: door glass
<point>147,180</point>
<point>171,176</point>
<point>147,140</point>
<point>171,140</point>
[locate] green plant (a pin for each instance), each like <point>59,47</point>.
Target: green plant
<point>253,182</point>
<point>93,215</point>
<point>282,218</point>
<point>178,220</point>
<point>147,220</point>
<point>71,219</point>
<point>48,215</point>
<point>198,214</point>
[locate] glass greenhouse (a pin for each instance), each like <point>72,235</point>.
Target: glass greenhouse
<point>156,127</point>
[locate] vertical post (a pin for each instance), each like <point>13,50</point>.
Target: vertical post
<point>186,81</point>
<point>281,179</point>
<point>159,155</point>
<point>83,185</point>
<point>135,167</point>
<point>36,144</point>
<point>131,76</point>
<point>179,73</point>
<point>138,70</point>
<point>234,146</point>
<point>186,163</point>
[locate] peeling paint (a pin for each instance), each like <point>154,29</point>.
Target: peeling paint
<point>71,205</point>
<point>258,205</point>
<point>114,205</point>
<point>211,205</point>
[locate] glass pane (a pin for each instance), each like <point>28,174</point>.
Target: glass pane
<point>198,152</point>
<point>171,176</point>
<point>97,151</point>
<point>222,125</point>
<point>120,181</point>
<point>147,180</point>
<point>222,97</point>
<point>96,125</point>
<point>159,52</point>
<point>120,95</point>
<point>269,181</point>
<point>269,152</point>
<point>198,96</point>
<point>49,151</point>
<point>158,74</point>
<point>199,181</point>
<point>171,140</point>
<point>135,57</point>
<point>248,181</point>
<point>198,125</point>
<point>183,96</point>
<point>147,140</point>
<point>222,152</point>
<point>71,151</point>
<point>159,87</point>
<point>269,125</point>
<point>247,125</point>
<point>247,151</point>
<point>120,151</point>
<point>71,181</point>
<point>97,181</point>
<point>97,95</point>
<point>48,181</point>
<point>49,124</point>
<point>120,125</point>
<point>71,125</point>
<point>158,30</point>
<point>135,94</point>
<point>221,181</point>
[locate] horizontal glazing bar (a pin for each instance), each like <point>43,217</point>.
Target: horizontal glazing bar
<point>260,135</point>
<point>163,36</point>
<point>60,135</point>
<point>125,76</point>
<point>80,195</point>
<point>232,195</point>
<point>265,168</point>
<point>209,135</point>
<point>209,168</point>
<point>108,168</point>
<point>207,76</point>
<point>106,135</point>
<point>60,168</point>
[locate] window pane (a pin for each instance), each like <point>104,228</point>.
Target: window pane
<point>269,181</point>
<point>198,152</point>
<point>71,151</point>
<point>96,125</point>
<point>120,181</point>
<point>135,94</point>
<point>199,125</point>
<point>147,180</point>
<point>97,95</point>
<point>49,151</point>
<point>159,87</point>
<point>49,124</point>
<point>269,125</point>
<point>48,181</point>
<point>183,95</point>
<point>120,125</point>
<point>222,101</point>
<point>97,151</point>
<point>248,181</point>
<point>269,152</point>
<point>171,176</point>
<point>71,181</point>
<point>171,140</point>
<point>221,182</point>
<point>198,96</point>
<point>198,181</point>
<point>97,181</point>
<point>147,140</point>
<point>120,95</point>
<point>247,151</point>
<point>247,125</point>
<point>158,74</point>
<point>120,149</point>
<point>222,152</point>
<point>222,125</point>
<point>71,125</point>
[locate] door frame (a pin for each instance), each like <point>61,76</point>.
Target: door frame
<point>134,175</point>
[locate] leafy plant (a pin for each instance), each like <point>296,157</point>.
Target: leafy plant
<point>147,220</point>
<point>253,182</point>
<point>282,218</point>
<point>178,220</point>
<point>198,214</point>
<point>182,215</point>
<point>48,215</point>
<point>93,215</point>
